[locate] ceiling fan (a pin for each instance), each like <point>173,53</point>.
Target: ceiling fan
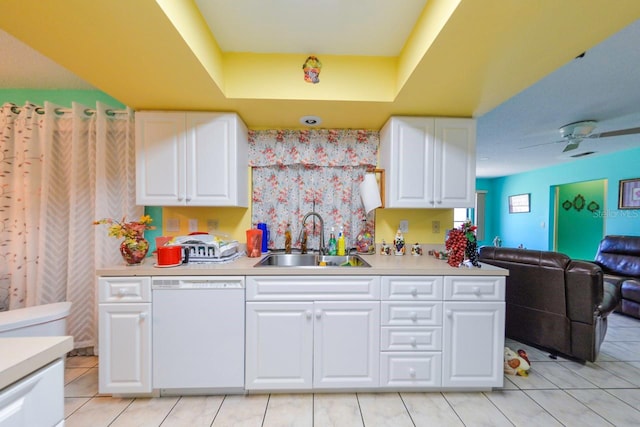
<point>574,133</point>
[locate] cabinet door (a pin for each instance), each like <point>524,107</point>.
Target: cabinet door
<point>454,165</point>
<point>473,344</point>
<point>279,345</point>
<point>216,173</point>
<point>346,344</point>
<point>407,155</point>
<point>125,348</point>
<point>160,158</point>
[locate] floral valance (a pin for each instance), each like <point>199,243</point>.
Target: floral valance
<point>321,147</point>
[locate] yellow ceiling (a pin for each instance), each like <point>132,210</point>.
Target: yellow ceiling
<point>463,58</point>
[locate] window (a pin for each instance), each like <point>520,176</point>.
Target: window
<point>459,217</point>
<point>299,171</point>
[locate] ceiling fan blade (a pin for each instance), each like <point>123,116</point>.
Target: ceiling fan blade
<point>541,144</point>
<point>620,132</point>
<point>571,145</point>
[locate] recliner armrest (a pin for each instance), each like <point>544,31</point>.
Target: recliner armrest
<point>584,287</point>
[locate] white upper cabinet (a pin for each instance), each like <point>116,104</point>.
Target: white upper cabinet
<point>429,162</point>
<point>191,159</point>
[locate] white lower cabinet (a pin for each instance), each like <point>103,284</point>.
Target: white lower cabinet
<point>36,400</point>
<point>303,345</point>
<point>124,312</point>
<point>411,332</point>
<point>442,332</point>
<point>279,345</point>
<point>474,316</point>
<point>473,344</point>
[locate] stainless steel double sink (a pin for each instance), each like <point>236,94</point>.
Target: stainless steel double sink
<point>311,260</point>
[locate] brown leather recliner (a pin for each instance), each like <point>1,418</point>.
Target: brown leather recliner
<point>619,258</point>
<point>552,301</point>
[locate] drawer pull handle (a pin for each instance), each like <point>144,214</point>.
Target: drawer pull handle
<point>143,316</point>
<point>476,290</point>
<point>318,314</point>
<point>449,313</point>
<point>413,341</point>
<point>414,316</point>
<point>308,314</point>
<point>414,292</point>
<point>412,372</point>
<point>122,292</point>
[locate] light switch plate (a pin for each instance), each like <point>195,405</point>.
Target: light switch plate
<point>404,226</point>
<point>193,225</point>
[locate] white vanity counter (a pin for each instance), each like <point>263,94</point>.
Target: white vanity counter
<point>32,380</point>
<point>21,356</point>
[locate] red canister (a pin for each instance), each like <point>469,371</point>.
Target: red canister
<point>169,255</point>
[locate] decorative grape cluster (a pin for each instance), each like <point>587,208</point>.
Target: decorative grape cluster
<point>472,252</point>
<point>456,245</point>
<point>462,245</point>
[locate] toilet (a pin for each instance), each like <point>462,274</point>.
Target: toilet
<point>36,321</point>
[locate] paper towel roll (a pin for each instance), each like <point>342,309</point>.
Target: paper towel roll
<point>370,193</point>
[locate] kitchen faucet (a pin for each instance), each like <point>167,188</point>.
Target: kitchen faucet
<point>321,247</point>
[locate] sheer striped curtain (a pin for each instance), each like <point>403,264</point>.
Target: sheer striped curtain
<point>62,169</point>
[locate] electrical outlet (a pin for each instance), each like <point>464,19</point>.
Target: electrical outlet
<point>193,225</point>
<point>404,226</point>
<point>212,224</point>
<point>435,227</point>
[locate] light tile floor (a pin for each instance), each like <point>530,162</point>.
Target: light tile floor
<point>557,392</point>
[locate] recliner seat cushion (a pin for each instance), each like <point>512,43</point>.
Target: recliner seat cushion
<point>630,290</point>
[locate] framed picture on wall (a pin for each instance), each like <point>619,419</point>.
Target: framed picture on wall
<point>629,194</point>
<point>519,203</point>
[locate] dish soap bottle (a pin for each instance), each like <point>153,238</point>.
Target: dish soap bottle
<point>333,249</point>
<point>287,239</point>
<point>341,242</point>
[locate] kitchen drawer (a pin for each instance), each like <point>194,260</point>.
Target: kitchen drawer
<point>412,288</point>
<point>424,338</point>
<point>474,288</point>
<point>313,288</point>
<point>405,313</point>
<point>410,369</point>
<point>124,289</point>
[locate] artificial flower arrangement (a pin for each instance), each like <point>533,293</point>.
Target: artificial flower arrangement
<point>130,231</point>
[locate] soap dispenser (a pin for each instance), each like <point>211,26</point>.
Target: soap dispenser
<point>333,245</point>
<point>341,242</point>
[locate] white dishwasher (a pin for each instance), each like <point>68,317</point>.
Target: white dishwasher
<point>198,334</point>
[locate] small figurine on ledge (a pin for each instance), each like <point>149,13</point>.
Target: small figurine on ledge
<point>384,248</point>
<point>398,243</point>
<point>416,250</point>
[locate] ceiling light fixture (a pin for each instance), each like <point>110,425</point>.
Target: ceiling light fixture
<point>310,120</point>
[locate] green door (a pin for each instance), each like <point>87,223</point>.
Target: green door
<point>579,222</point>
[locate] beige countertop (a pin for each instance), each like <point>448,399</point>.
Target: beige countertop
<point>21,356</point>
<point>380,265</point>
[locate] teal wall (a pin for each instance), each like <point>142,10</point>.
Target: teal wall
<point>532,229</point>
<point>64,98</point>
